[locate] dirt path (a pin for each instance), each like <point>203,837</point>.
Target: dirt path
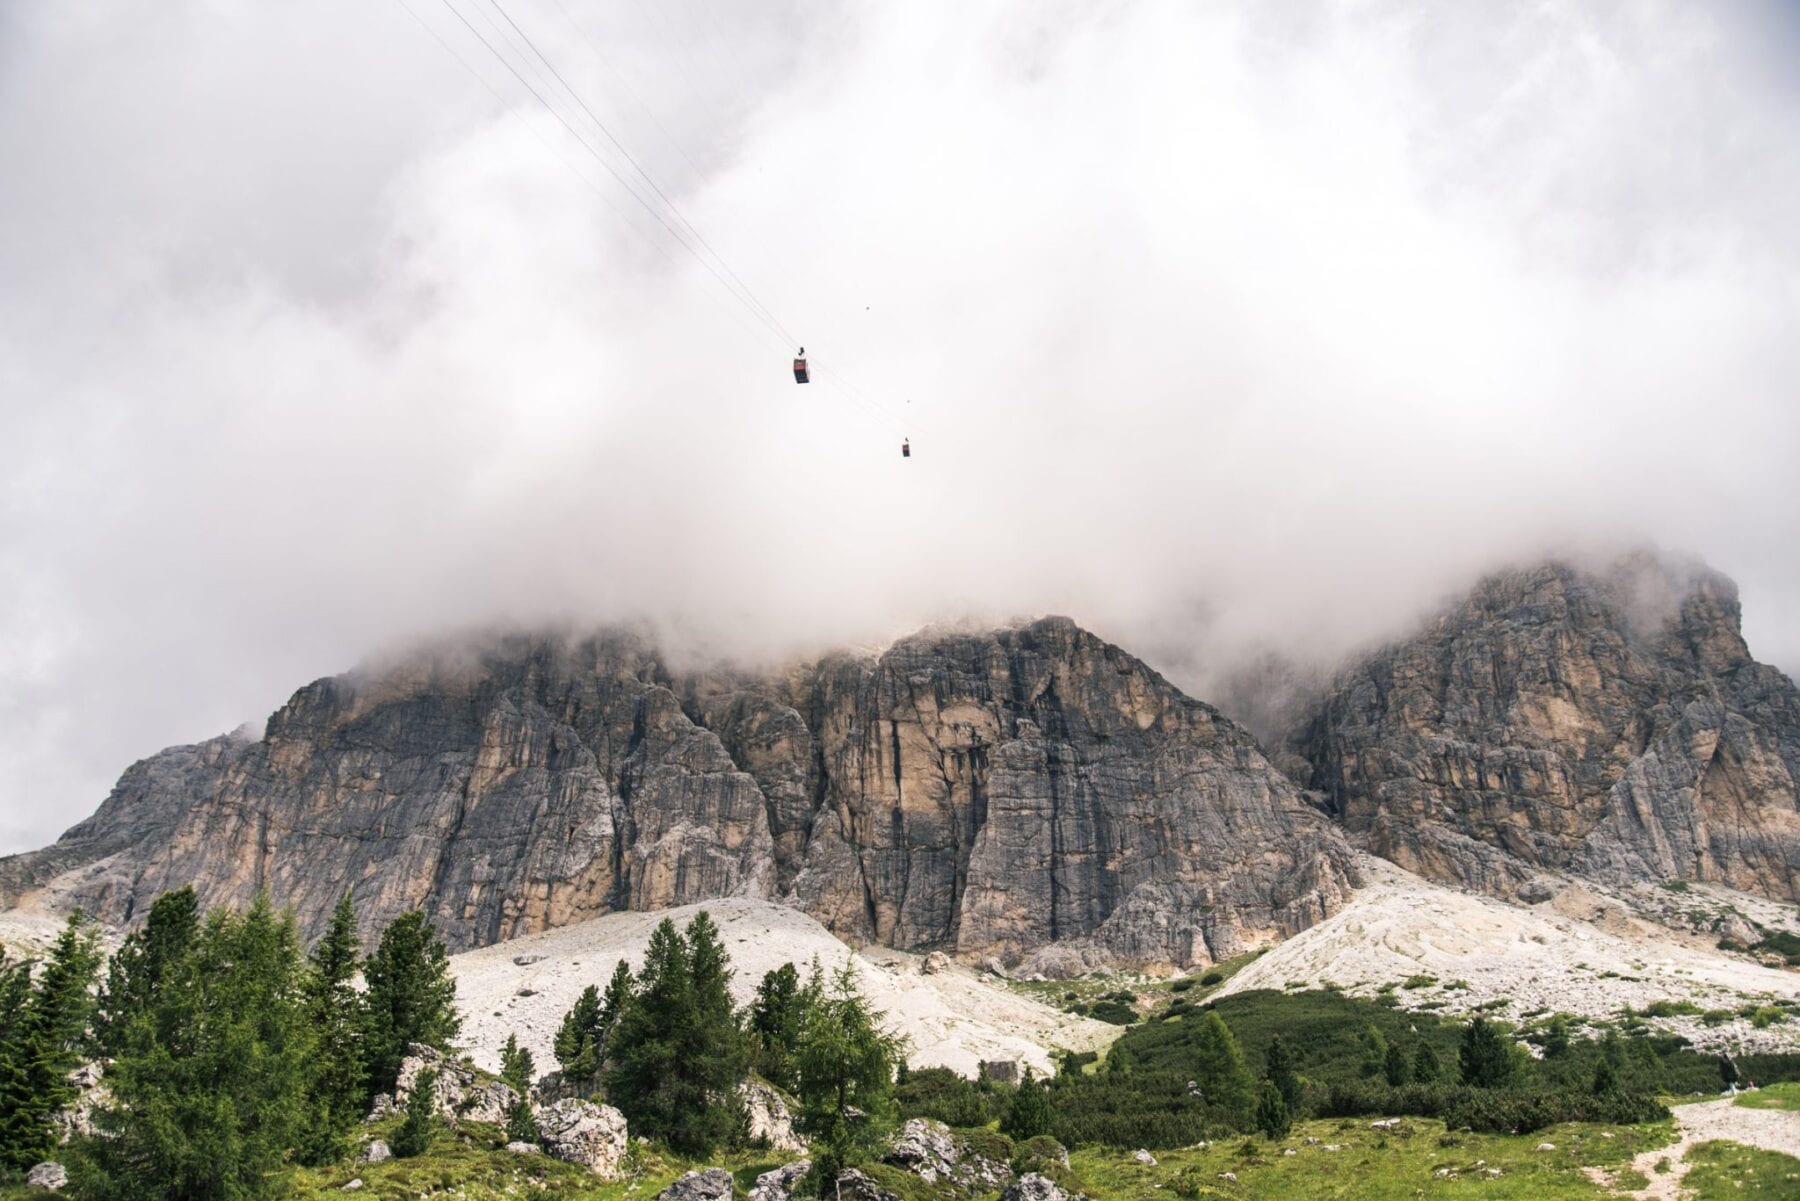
<point>1705,1122</point>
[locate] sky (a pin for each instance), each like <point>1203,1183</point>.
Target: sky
<point>1229,329</point>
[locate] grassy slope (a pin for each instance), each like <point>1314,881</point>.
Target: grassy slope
<point>1373,1165</point>
<point>1726,1170</point>
<point>1774,1096</point>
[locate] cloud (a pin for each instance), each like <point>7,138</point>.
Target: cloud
<point>1224,328</point>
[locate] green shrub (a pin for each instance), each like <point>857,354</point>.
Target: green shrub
<point>1183,984</point>
<point>1416,982</point>
<point>1671,1008</point>
<point>1211,978</point>
<point>1116,1012</point>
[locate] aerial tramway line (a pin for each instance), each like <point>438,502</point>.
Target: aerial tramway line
<point>672,221</point>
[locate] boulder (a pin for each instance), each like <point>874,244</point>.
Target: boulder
<point>853,1185</point>
<point>780,1184</point>
<point>584,1133</point>
<point>353,1185</point>
<point>930,1151</point>
<point>382,1107</point>
<point>934,963</point>
<point>1144,1157</point>
<point>771,1120</point>
<point>1000,1071</point>
<point>1032,1187</point>
<point>710,1184</point>
<point>524,1148</point>
<point>376,1152</point>
<point>462,1092</point>
<point>49,1176</point>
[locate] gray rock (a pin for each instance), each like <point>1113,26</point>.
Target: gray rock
<point>780,1184</point>
<point>462,1093</point>
<point>1032,1187</point>
<point>583,1133</point>
<point>49,1176</point>
<point>524,1148</point>
<point>932,1152</point>
<point>710,1184</point>
<point>1144,1157</point>
<point>381,1107</point>
<point>1608,724</point>
<point>1031,786</point>
<point>770,1119</point>
<point>376,1152</point>
<point>526,960</point>
<point>853,1185</point>
<point>1000,1071</point>
<point>351,1186</point>
<point>934,963</point>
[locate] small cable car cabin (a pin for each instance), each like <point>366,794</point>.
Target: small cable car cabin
<point>906,448</point>
<point>800,372</point>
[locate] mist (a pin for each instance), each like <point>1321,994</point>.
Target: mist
<point>1229,330</point>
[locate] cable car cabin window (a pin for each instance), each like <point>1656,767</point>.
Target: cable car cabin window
<point>801,375</point>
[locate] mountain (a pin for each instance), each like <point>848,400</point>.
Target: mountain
<point>1034,794</point>
<point>1606,723</point>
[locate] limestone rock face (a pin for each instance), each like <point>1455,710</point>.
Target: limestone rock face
<point>991,795</point>
<point>932,1152</point>
<point>770,1120</point>
<point>460,1091</point>
<point>583,1133</point>
<point>1609,724</point>
<point>709,1184</point>
<point>780,1184</point>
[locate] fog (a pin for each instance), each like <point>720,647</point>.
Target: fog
<point>1227,329</point>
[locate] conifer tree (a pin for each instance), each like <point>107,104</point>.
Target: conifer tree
<point>1273,1117</point>
<point>1280,1073</point>
<point>776,1017</point>
<point>577,1044</point>
<point>516,1067</point>
<point>1425,1064</point>
<point>415,1133</point>
<point>1556,1040</point>
<point>844,1074</point>
<point>1394,1067</point>
<point>1219,1070</point>
<point>521,1123</point>
<point>1374,1057</point>
<point>1029,1113</point>
<point>411,997</point>
<point>339,1024</point>
<point>1606,1079</point>
<point>41,1041</point>
<point>1485,1057</point>
<point>678,1053</point>
<point>140,964</point>
<point>210,1086</point>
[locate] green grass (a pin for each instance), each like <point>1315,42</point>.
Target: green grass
<point>482,1171</point>
<point>1372,1165</point>
<point>1727,1170</point>
<point>1774,1096</point>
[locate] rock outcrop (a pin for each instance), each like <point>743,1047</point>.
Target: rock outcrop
<point>460,1091</point>
<point>992,795</point>
<point>581,1132</point>
<point>935,1154</point>
<point>709,1184</point>
<point>1610,724</point>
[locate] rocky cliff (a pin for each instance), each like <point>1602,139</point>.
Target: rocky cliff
<point>1030,793</point>
<point>1609,723</point>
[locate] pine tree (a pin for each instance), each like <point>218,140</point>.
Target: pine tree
<point>1425,1064</point>
<point>516,1067</point>
<point>1556,1040</point>
<point>776,1017</point>
<point>411,997</point>
<point>1273,1117</point>
<point>1394,1067</point>
<point>613,1002</point>
<point>1485,1057</point>
<point>140,964</point>
<point>210,1088</point>
<point>339,1023</point>
<point>415,1133</point>
<point>1280,1073</point>
<point>1375,1048</point>
<point>1606,1079</point>
<point>41,1042</point>
<point>521,1123</point>
<point>844,1073</point>
<point>1029,1113</point>
<point>1219,1070</point>
<point>577,1043</point>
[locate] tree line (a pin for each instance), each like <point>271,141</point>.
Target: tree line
<point>228,1050</point>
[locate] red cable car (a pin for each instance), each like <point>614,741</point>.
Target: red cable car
<point>800,374</point>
